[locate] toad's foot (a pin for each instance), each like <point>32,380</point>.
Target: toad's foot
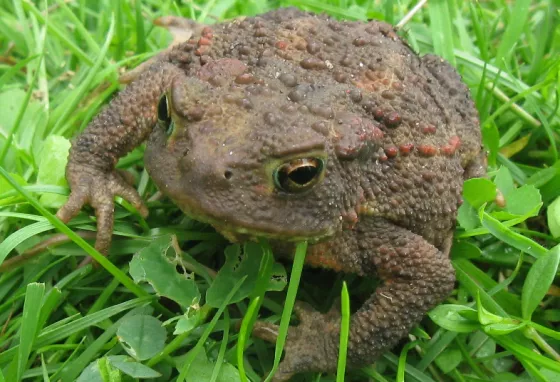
<point>310,346</point>
<point>98,189</point>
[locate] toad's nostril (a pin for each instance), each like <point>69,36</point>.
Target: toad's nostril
<point>228,174</point>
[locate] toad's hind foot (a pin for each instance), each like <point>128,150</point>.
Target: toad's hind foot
<point>98,189</point>
<point>310,346</point>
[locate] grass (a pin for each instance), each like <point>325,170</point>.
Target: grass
<point>59,64</point>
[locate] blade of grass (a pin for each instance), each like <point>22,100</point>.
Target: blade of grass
<point>223,347</point>
<point>69,105</point>
<point>102,260</point>
<point>10,73</point>
<point>243,334</point>
<point>20,236</point>
<point>140,32</point>
<point>402,360</point>
<point>29,329</point>
<point>344,332</point>
<point>265,273</point>
<point>23,107</point>
<point>442,31</point>
<point>61,35</point>
<point>297,267</point>
<point>513,31</point>
<point>56,333</point>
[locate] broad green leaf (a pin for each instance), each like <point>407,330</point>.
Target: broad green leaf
<point>553,217</point>
<point>478,191</point>
<point>482,345</point>
<point>551,375</point>
<point>157,265</point>
<point>502,328</point>
<point>90,374</point>
<point>468,216</point>
<point>130,367</point>
<point>142,336</point>
<point>52,168</point>
<point>188,321</point>
<point>202,368</point>
<point>448,317</point>
<point>495,324</point>
<point>540,277</point>
<point>449,359</point>
<point>241,263</point>
<point>484,316</point>
<point>523,201</point>
<point>516,240</point>
<point>504,181</point>
<point>465,249</point>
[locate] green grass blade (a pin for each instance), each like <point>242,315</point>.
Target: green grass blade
<point>515,27</point>
<point>222,351</point>
<point>56,333</point>
<point>29,329</point>
<point>23,107</point>
<point>69,105</point>
<point>442,32</point>
<point>102,260</point>
<point>297,267</point>
<point>243,335</point>
<point>344,333</point>
<point>20,236</point>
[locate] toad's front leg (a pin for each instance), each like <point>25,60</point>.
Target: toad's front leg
<point>119,128</point>
<point>415,277</point>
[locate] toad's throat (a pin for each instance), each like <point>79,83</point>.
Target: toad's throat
<point>236,229</point>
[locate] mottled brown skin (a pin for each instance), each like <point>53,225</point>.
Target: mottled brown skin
<point>397,135</point>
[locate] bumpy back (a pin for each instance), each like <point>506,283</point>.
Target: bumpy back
<point>402,129</point>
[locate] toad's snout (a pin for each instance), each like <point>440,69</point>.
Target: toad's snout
<point>205,172</point>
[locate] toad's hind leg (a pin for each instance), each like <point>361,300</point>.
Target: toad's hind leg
<point>415,277</point>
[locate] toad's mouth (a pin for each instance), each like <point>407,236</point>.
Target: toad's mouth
<point>238,229</point>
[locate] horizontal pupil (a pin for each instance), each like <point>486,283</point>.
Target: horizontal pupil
<point>303,175</point>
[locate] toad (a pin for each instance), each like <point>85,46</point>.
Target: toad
<point>293,126</point>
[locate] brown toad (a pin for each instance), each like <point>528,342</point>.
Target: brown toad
<point>293,126</point>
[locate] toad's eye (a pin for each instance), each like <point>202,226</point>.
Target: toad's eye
<point>164,116</point>
<point>298,175</point>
